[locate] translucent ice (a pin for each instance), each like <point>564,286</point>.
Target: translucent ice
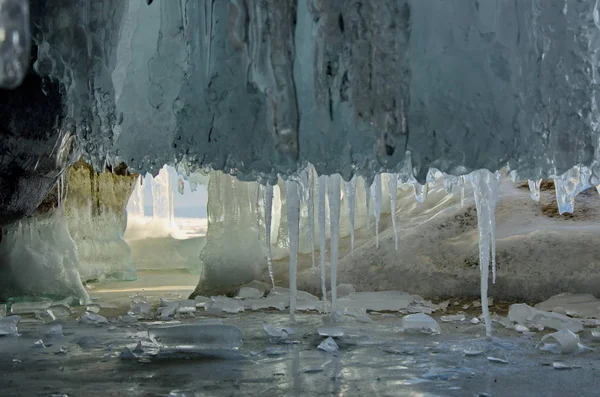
<point>14,42</point>
<point>331,331</point>
<point>249,293</point>
<point>92,318</point>
<point>197,337</point>
<point>453,318</point>
<point>351,194</point>
<point>293,218</point>
<point>534,188</point>
<point>377,301</point>
<point>268,192</point>
<point>521,313</point>
<point>563,341</point>
<point>376,196</point>
<point>322,190</point>
<point>224,304</point>
<point>8,326</point>
<point>393,186</point>
<point>328,345</point>
<point>420,323</point>
<point>574,305</point>
<point>333,190</point>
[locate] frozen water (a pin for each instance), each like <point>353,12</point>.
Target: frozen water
<point>333,191</point>
<point>15,42</point>
<point>393,186</point>
<point>351,193</point>
<point>521,313</point>
<point>377,301</point>
<point>268,192</point>
<point>328,345</point>
<point>563,341</point>
<point>92,318</point>
<point>224,304</point>
<point>573,305</point>
<point>420,323</point>
<point>197,337</point>
<point>293,218</point>
<point>376,196</point>
<point>249,293</point>
<point>322,190</point>
<point>335,332</point>
<point>8,326</point>
<point>534,188</point>
<point>453,318</point>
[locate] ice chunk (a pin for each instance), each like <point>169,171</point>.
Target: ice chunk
<point>453,318</point>
<point>249,293</point>
<point>421,323</point>
<point>270,330</point>
<point>29,307</point>
<point>169,311</point>
<point>197,337</point>
<point>563,341</point>
<point>92,318</point>
<point>128,319</point>
<point>521,328</point>
<point>574,305</point>
<point>127,354</point>
<point>139,349</point>
<point>560,365</point>
<point>224,304</point>
<point>201,300</point>
<point>94,308</point>
<point>521,313</point>
<point>8,326</point>
<point>331,331</point>
<point>186,306</point>
<point>499,360</point>
<point>141,308</point>
<point>328,345</point>
<point>59,311</point>
<point>182,393</point>
<point>39,344</point>
<point>377,301</point>
<point>534,188</point>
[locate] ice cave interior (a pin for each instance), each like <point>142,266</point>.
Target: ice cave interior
<point>299,197</point>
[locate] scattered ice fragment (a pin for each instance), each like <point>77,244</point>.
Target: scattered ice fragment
<point>270,330</point>
<point>498,360</point>
<point>534,188</point>
<point>563,341</point>
<point>360,314</point>
<point>473,350</point>
<point>94,308</point>
<point>62,351</point>
<point>595,332</point>
<point>453,318</point>
<point>224,304</point>
<point>201,301</point>
<point>421,323</point>
<point>521,328</point>
<point>560,365</point>
<point>477,304</point>
<point>328,345</point>
<point>186,306</point>
<point>8,326</point>
<point>127,354</point>
<point>128,319</point>
<point>92,318</point>
<point>182,393</point>
<point>197,337</point>
<point>249,293</point>
<point>443,305</point>
<point>521,313</point>
<point>331,331</point>
<point>39,344</point>
<point>169,311</point>
<point>165,302</point>
<point>142,308</point>
<point>475,320</point>
<point>575,305</point>
<point>59,311</point>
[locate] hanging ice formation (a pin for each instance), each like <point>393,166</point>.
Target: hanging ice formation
<point>351,193</point>
<point>268,197</point>
<point>376,193</point>
<point>485,188</point>
<point>393,186</point>
<point>307,199</point>
<point>135,206</point>
<point>322,190</point>
<point>293,217</point>
<point>368,203</point>
<point>180,185</point>
<point>333,193</point>
<point>420,190</point>
<point>462,191</point>
<point>534,188</point>
<point>162,198</point>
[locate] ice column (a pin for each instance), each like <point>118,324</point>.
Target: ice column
<point>14,42</point>
<point>162,198</point>
<point>351,193</point>
<point>569,185</point>
<point>368,203</point>
<point>376,193</point>
<point>485,189</point>
<point>393,185</point>
<point>311,212</point>
<point>135,206</point>
<point>293,216</point>
<point>333,192</point>
<point>268,192</point>
<point>322,190</point>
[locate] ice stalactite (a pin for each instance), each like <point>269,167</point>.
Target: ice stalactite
<point>268,192</point>
<point>485,188</point>
<point>351,193</point>
<point>393,186</point>
<point>293,217</point>
<point>376,196</point>
<point>333,193</point>
<point>135,206</point>
<point>311,212</point>
<point>368,203</point>
<point>534,188</point>
<point>462,191</point>
<point>322,191</point>
<point>162,198</point>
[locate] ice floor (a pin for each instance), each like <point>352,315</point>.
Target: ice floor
<point>374,359</point>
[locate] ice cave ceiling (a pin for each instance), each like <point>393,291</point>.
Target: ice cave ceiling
<point>261,87</point>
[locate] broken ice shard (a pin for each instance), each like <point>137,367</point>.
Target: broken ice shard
<point>563,341</point>
<point>224,304</point>
<point>92,318</point>
<point>328,345</point>
<point>420,323</point>
<point>8,326</point>
<point>534,188</point>
<point>521,313</point>
<point>197,337</point>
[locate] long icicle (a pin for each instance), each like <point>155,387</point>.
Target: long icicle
<point>333,192</point>
<point>493,230</point>
<point>311,212</point>
<point>393,186</point>
<point>376,193</point>
<point>293,217</point>
<point>322,188</point>
<point>351,193</point>
<point>268,192</point>
<point>368,203</point>
<point>485,189</point>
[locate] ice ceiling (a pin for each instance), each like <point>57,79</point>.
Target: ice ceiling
<point>259,87</point>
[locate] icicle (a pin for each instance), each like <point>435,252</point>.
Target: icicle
<point>333,192</point>
<point>376,193</point>
<point>448,184</point>
<point>293,218</point>
<point>180,185</point>
<point>393,186</point>
<point>322,190</point>
<point>351,193</point>
<point>534,188</point>
<point>485,189</point>
<point>420,190</point>
<point>368,202</point>
<point>268,192</point>
<point>462,191</point>
<point>309,192</point>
